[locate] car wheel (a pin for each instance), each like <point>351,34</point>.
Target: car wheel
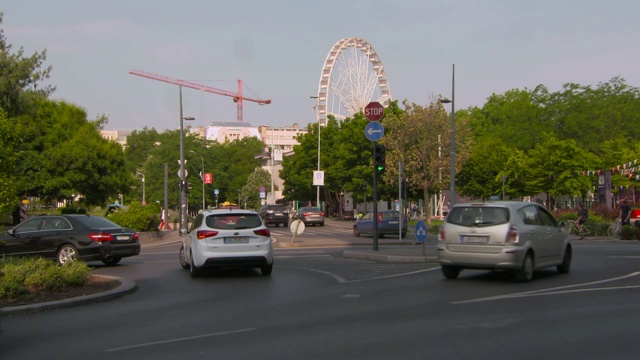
<point>356,233</point>
<point>193,270</point>
<point>450,272</point>
<point>183,261</point>
<point>266,270</point>
<point>525,273</point>
<point>111,261</point>
<point>67,254</point>
<point>566,261</point>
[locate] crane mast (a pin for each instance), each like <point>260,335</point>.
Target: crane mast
<point>237,97</point>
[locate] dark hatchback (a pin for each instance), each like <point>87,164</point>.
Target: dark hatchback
<point>68,238</point>
<point>388,224</point>
<point>274,214</point>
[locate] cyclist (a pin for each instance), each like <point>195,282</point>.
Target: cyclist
<point>583,214</point>
<point>625,213</point>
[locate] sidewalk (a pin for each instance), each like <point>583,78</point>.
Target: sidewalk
<point>390,249</point>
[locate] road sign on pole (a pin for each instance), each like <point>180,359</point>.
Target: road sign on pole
<point>374,131</point>
<point>374,111</point>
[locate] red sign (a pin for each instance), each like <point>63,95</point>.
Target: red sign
<point>374,111</point>
<point>208,178</point>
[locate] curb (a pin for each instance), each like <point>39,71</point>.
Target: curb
<point>126,287</point>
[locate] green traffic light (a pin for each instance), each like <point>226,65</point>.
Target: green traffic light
<point>380,168</point>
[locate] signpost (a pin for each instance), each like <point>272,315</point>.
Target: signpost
<point>374,111</point>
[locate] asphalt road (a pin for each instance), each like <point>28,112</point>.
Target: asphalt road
<point>319,305</point>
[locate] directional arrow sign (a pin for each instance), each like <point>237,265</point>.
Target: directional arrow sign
<point>421,231</point>
<point>374,131</point>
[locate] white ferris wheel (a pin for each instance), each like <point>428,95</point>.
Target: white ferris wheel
<point>352,76</point>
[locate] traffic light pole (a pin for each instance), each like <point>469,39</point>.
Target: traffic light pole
<point>375,199</point>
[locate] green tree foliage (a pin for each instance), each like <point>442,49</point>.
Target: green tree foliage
<point>63,156</point>
<point>8,139</point>
<point>250,193</point>
<point>20,77</point>
<point>420,138</point>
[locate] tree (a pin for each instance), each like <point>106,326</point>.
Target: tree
<point>20,77</point>
<point>7,161</point>
<point>249,194</point>
<point>419,138</point>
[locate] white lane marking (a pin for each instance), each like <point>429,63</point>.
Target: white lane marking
<point>556,290</point>
<point>342,280</point>
<point>180,339</point>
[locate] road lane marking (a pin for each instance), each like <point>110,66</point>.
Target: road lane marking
<point>557,290</point>
<point>180,339</point>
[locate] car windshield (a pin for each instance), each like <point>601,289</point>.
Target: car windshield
<point>478,215</point>
<point>233,221</point>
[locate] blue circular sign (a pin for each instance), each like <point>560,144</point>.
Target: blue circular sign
<point>374,131</point>
<point>421,231</point>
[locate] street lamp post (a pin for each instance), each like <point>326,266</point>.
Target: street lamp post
<point>317,187</point>
<point>453,133</point>
<point>183,191</point>
<point>201,176</point>
<point>144,201</point>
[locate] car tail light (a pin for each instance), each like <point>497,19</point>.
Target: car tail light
<point>379,217</point>
<point>262,232</point>
<point>321,214</point>
<point>203,234</point>
<point>100,237</point>
<point>135,236</point>
<point>512,235</point>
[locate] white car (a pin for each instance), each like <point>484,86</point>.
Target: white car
<point>504,235</point>
<point>225,238</point>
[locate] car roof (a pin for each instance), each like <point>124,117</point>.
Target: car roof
<point>228,211</point>
<point>500,203</point>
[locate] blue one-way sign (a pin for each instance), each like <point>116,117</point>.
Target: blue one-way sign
<point>421,231</point>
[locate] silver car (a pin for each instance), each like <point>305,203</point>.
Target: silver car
<point>224,238</point>
<point>517,236</point>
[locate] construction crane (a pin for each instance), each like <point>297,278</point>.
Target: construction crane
<point>237,96</point>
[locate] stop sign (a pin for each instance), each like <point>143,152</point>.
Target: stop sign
<point>374,111</point>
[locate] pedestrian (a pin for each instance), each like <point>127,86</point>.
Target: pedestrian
<point>414,209</point>
<point>583,214</point>
<point>625,213</point>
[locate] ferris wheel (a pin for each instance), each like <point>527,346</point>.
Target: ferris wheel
<point>352,76</point>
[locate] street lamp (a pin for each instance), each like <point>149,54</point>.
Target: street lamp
<point>453,133</point>
<point>144,201</point>
<point>315,107</point>
<point>183,191</point>
<point>201,176</point>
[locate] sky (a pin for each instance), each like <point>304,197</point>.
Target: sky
<point>278,48</point>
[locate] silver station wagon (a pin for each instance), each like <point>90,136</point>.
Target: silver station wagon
<point>505,235</point>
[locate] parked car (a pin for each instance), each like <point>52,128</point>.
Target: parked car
<point>68,238</point>
<point>310,215</point>
<point>227,238</point>
<point>274,214</point>
<point>388,223</point>
<point>520,237</point>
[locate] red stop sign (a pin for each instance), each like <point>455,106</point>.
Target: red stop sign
<point>374,111</point>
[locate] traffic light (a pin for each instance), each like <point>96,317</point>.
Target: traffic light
<point>379,158</point>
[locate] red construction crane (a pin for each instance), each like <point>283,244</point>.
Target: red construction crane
<point>237,97</point>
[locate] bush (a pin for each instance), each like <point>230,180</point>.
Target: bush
<point>629,232</point>
<point>138,217</point>
<point>22,275</point>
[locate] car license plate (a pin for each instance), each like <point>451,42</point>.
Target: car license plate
<point>474,239</point>
<point>236,240</point>
<point>122,237</point>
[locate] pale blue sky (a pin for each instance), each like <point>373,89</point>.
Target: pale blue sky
<point>278,47</point>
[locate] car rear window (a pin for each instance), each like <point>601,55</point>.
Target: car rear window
<point>96,222</point>
<point>233,221</point>
<point>478,215</point>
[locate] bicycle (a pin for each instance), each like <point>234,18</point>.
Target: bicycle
<point>614,230</point>
<point>574,233</point>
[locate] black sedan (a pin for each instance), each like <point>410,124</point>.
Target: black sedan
<point>67,238</point>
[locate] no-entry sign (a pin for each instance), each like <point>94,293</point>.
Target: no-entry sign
<point>374,111</point>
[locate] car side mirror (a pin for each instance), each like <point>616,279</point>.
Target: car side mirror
<point>183,231</point>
